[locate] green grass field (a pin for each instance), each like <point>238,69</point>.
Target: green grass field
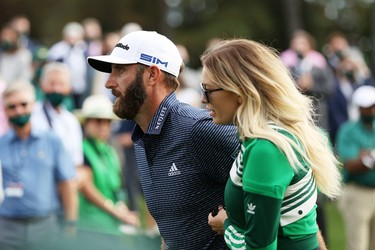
<point>335,227</point>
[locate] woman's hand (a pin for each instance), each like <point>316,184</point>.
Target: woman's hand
<point>125,215</point>
<point>217,223</point>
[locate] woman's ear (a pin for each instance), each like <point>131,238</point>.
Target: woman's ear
<point>240,100</point>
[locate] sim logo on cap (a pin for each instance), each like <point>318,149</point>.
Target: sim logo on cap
<point>152,59</point>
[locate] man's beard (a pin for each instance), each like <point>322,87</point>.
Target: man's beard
<point>127,106</point>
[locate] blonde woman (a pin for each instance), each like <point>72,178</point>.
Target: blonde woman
<point>270,197</point>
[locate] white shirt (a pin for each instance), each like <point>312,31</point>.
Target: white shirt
<point>16,66</point>
<point>65,125</point>
<point>74,57</point>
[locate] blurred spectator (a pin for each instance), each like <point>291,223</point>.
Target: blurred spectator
<point>1,184</point>
<point>311,72</point>
<point>131,182</point>
<point>189,80</point>
<point>35,165</point>
<point>39,60</point>
<point>92,36</point>
<point>93,39</point>
<point>3,118</point>
<point>22,25</point>
<point>102,208</point>
<point>338,48</point>
<point>51,114</point>
<point>356,150</point>
<point>130,27</point>
<point>110,40</point>
<point>15,60</point>
<point>72,52</point>
<point>340,103</point>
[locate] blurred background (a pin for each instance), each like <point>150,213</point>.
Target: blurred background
<point>194,22</point>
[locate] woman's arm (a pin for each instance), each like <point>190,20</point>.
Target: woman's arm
<point>119,211</point>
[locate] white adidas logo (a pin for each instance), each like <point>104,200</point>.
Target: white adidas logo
<point>251,208</point>
<point>174,170</point>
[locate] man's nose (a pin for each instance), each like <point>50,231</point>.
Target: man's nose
<point>19,110</point>
<point>110,83</point>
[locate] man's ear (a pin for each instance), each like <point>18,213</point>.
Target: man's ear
<point>155,73</point>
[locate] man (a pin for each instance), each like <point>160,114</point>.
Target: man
<point>51,114</point>
<point>71,51</point>
<point>356,149</point>
<point>183,157</point>
<point>1,185</point>
<point>34,164</point>
<point>15,61</point>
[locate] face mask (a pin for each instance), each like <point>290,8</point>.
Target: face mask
<point>367,119</point>
<point>55,98</point>
<point>299,55</point>
<point>349,74</point>
<point>7,46</point>
<point>340,55</point>
<point>20,120</point>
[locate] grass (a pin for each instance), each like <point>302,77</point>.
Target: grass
<point>335,227</point>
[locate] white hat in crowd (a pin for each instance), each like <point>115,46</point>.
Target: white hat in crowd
<point>96,106</point>
<point>130,27</point>
<point>364,96</point>
<point>145,47</point>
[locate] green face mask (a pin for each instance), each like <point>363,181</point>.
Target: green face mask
<point>349,74</point>
<point>367,119</point>
<point>7,46</point>
<point>20,120</point>
<point>55,98</point>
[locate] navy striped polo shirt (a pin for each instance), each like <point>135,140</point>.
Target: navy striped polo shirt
<point>184,161</point>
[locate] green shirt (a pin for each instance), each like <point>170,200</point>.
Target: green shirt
<point>269,206</point>
<point>105,166</point>
<point>352,138</point>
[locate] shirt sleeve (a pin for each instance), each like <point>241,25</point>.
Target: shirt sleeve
<point>262,215</point>
<point>216,147</point>
<point>267,174</point>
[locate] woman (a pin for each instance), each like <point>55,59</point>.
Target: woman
<point>101,208</point>
<point>270,197</point>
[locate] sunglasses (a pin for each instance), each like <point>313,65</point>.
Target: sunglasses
<point>206,91</point>
<point>13,106</point>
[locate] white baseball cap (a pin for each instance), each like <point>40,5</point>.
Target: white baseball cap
<point>364,96</point>
<point>145,47</point>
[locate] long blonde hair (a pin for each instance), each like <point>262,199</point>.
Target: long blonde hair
<point>255,73</point>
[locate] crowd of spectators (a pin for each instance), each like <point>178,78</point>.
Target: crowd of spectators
<point>63,82</point>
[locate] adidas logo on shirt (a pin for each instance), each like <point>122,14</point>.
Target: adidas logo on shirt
<point>251,208</point>
<point>174,170</point>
